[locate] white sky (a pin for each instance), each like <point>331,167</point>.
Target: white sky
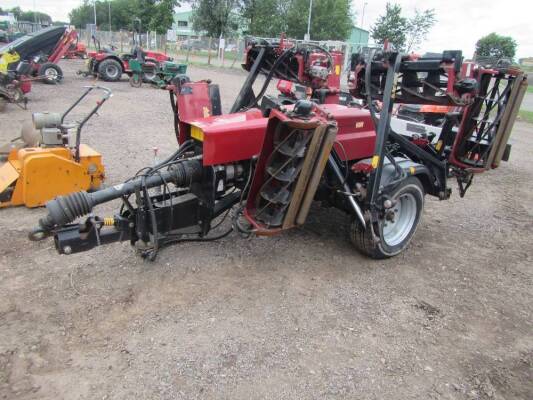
<point>460,22</point>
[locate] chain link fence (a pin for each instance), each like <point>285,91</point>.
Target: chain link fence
<point>227,52</point>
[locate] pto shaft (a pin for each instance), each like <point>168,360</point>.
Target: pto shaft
<point>65,209</point>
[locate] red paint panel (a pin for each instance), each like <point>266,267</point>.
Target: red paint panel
<point>356,131</point>
<point>232,137</point>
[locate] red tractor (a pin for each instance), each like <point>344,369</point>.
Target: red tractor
<point>109,65</point>
<point>272,156</point>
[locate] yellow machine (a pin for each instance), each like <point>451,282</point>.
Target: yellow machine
<point>6,59</point>
<point>50,162</point>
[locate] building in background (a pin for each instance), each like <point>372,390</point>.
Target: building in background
<point>358,37</point>
<point>183,26</point>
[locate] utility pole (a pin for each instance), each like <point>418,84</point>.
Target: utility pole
<point>363,14</point>
<point>94,9</point>
<point>362,22</point>
<point>308,35</point>
<point>109,7</point>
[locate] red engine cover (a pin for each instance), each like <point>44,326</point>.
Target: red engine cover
<point>231,137</point>
<point>356,136</point>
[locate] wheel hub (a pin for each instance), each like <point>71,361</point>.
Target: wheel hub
<point>399,220</point>
<point>50,73</point>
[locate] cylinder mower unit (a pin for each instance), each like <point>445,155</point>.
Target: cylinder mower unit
<point>48,159</point>
<point>292,159</point>
<point>271,161</point>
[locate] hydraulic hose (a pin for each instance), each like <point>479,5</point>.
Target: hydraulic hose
<point>65,209</point>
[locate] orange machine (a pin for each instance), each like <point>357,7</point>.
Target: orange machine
<point>50,162</point>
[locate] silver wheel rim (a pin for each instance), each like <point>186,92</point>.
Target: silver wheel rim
<point>51,74</point>
<point>111,71</point>
<point>405,210</point>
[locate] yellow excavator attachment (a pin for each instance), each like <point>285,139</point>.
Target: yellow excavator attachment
<point>32,176</point>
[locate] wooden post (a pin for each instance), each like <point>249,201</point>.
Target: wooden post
<point>237,51</point>
<point>209,51</point>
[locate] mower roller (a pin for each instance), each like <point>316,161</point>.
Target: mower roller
<point>48,159</point>
<point>273,155</point>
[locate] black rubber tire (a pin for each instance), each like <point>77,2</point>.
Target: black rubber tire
<point>148,76</point>
<point>362,238</point>
<point>108,65</point>
<point>51,73</point>
<point>136,81</point>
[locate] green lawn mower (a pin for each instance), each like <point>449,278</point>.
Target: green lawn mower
<point>160,76</point>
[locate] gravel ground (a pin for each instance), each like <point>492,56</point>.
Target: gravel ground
<point>297,316</point>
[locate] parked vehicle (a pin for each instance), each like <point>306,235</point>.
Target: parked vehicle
<point>109,65</point>
<point>42,49</point>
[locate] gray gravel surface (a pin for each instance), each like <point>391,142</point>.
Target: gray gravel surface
<point>297,316</point>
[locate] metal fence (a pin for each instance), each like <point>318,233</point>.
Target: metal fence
<point>201,50</point>
<point>227,52</point>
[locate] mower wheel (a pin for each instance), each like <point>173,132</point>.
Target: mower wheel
<point>51,73</point>
<point>110,70</point>
<point>396,229</point>
<point>136,81</point>
<point>148,76</point>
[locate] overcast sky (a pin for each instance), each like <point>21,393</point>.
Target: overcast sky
<point>460,22</point>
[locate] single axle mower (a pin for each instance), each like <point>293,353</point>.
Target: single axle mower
<point>274,155</point>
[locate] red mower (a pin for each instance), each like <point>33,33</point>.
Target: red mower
<point>263,164</point>
<point>107,64</point>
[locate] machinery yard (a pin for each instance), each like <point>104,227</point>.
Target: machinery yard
<point>299,315</point>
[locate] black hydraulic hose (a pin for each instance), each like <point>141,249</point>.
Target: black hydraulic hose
<point>65,209</point>
<point>368,86</point>
<point>270,76</point>
<point>174,106</point>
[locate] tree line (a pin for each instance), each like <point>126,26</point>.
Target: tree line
<point>154,15</point>
<point>331,19</point>
<point>28,16</point>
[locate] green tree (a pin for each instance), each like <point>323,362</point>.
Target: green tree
<point>266,18</point>
<point>154,15</point>
<point>272,17</point>
<point>494,45</point>
<point>35,16</point>
<point>16,11</point>
<point>405,34</point>
<point>391,26</point>
<point>330,19</point>
<point>418,27</point>
<point>162,16</point>
<point>215,17</point>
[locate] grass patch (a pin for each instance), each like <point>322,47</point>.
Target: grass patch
<point>530,89</point>
<point>526,116</point>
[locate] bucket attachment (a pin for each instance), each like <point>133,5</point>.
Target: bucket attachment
<point>290,165</point>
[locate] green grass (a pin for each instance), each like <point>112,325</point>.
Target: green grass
<point>526,116</point>
<point>530,89</point>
